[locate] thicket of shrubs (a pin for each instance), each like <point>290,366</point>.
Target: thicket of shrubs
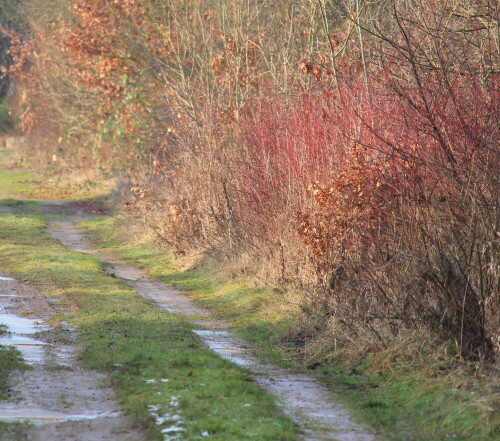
<point>342,148</point>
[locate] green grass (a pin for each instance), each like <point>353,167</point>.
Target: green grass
<point>405,402</point>
<point>133,341</point>
<point>10,358</point>
<point>24,184</point>
<point>18,184</point>
<point>6,120</point>
<point>49,182</point>
<point>10,361</point>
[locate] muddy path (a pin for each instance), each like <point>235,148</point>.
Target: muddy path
<point>302,398</point>
<point>54,399</point>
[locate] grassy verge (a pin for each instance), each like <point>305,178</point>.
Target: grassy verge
<point>10,358</point>
<point>45,184</point>
<point>16,183</point>
<point>6,120</point>
<point>139,345</point>
<point>435,399</point>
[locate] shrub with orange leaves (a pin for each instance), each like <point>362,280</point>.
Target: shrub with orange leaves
<point>352,154</point>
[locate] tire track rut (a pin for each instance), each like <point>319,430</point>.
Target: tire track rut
<point>302,398</point>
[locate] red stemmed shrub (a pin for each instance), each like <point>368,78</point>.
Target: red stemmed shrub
<point>349,154</point>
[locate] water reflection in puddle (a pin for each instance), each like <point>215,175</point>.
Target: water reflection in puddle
<point>21,325</point>
<point>126,272</point>
<point>13,413</point>
<point>6,278</point>
<point>226,345</point>
<point>19,335</point>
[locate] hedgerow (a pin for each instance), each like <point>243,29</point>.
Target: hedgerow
<point>347,149</point>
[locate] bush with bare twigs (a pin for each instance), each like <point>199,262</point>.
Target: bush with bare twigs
<point>349,148</point>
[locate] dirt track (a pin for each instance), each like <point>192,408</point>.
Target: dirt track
<point>302,397</point>
<point>63,402</point>
<point>56,400</point>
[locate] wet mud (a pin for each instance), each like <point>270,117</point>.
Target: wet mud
<point>303,399</point>
<point>54,399</point>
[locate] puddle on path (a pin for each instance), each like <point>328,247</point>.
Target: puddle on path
<point>229,347</point>
<point>21,325</point>
<point>6,278</point>
<point>303,399</point>
<point>15,414</point>
<point>59,400</point>
<point>124,271</point>
<point>32,350</point>
<point>20,333</point>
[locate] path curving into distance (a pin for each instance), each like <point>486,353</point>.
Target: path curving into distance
<point>302,398</point>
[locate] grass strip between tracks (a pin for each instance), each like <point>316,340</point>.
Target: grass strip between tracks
<point>137,344</point>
